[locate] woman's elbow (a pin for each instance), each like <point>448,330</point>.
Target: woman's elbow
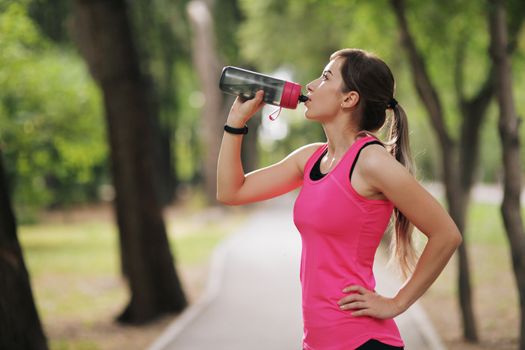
<point>450,239</point>
<point>456,238</point>
<point>226,200</point>
<point>459,239</point>
<point>222,199</point>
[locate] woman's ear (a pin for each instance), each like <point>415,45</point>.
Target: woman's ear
<point>350,99</point>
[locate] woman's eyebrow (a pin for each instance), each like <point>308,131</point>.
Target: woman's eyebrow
<point>328,71</point>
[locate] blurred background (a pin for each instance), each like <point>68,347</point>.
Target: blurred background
<point>110,126</point>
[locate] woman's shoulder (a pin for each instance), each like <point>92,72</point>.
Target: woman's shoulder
<point>308,150</point>
<point>375,158</point>
<point>311,147</point>
<point>302,154</point>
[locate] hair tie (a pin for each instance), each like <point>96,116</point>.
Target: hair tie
<point>392,103</point>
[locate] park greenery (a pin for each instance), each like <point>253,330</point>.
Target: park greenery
<point>51,115</point>
<point>56,147</point>
<point>52,138</point>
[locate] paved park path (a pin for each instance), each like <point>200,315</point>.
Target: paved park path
<point>253,297</point>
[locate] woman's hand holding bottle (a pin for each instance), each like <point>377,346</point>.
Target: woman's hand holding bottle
<point>242,111</point>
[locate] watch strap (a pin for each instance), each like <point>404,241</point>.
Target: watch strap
<point>236,131</point>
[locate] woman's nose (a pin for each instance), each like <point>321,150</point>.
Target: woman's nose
<point>309,87</point>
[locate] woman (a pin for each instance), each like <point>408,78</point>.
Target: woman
<point>345,205</point>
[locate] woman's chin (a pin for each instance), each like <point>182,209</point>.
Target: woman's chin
<point>308,115</point>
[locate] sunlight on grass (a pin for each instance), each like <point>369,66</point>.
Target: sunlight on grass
<point>85,248</point>
<point>485,225</point>
<point>64,344</point>
<point>195,248</point>
<point>75,267</point>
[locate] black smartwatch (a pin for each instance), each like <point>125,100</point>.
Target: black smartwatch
<point>236,131</point>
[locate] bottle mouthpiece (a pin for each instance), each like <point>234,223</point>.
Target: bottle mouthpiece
<point>303,98</point>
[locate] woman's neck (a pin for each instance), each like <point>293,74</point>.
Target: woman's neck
<point>339,136</point>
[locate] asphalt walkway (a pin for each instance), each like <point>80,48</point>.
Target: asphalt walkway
<point>253,296</point>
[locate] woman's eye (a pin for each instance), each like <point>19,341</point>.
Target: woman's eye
<point>324,76</point>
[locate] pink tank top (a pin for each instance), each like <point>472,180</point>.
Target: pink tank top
<point>340,232</point>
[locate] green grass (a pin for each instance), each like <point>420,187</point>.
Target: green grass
<point>64,344</point>
<point>196,248</point>
<point>485,224</point>
<point>75,268</point>
<point>71,267</point>
<point>81,248</point>
<point>494,294</point>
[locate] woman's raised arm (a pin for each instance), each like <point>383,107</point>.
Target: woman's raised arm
<point>233,186</point>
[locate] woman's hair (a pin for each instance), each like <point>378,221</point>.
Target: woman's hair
<point>368,75</point>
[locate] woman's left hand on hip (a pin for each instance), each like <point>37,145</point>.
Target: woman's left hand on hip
<point>364,302</point>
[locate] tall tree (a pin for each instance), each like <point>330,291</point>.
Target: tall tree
<point>509,135</point>
<point>161,45</point>
<point>457,196</point>
<point>20,326</point>
<point>207,59</point>
<point>228,17</point>
<point>207,65</point>
<point>459,157</point>
<point>102,32</point>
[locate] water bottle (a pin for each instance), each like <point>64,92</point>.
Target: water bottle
<point>245,83</point>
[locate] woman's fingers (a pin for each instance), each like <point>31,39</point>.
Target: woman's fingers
<point>256,102</point>
<point>356,288</point>
<point>353,305</point>
<point>244,109</point>
<point>362,312</point>
<point>363,302</point>
<point>356,300</point>
<point>351,298</point>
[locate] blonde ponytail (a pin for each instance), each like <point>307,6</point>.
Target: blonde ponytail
<point>401,245</point>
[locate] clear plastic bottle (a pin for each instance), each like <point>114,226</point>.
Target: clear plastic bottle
<point>245,83</point>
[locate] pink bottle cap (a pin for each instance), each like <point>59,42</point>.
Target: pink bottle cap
<point>290,97</point>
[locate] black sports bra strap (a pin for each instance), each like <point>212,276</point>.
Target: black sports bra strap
<point>315,172</point>
<point>358,152</point>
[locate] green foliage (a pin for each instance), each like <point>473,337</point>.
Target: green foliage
<point>227,17</point>
<point>187,148</point>
<point>309,31</point>
<point>51,116</point>
<point>297,33</point>
<point>51,17</point>
<point>302,34</point>
<point>51,122</point>
<point>163,38</point>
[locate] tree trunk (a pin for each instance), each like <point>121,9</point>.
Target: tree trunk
<point>20,326</point>
<point>509,135</point>
<point>457,195</point>
<point>207,65</point>
<point>229,14</point>
<point>162,155</point>
<point>103,35</point>
<point>157,46</point>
